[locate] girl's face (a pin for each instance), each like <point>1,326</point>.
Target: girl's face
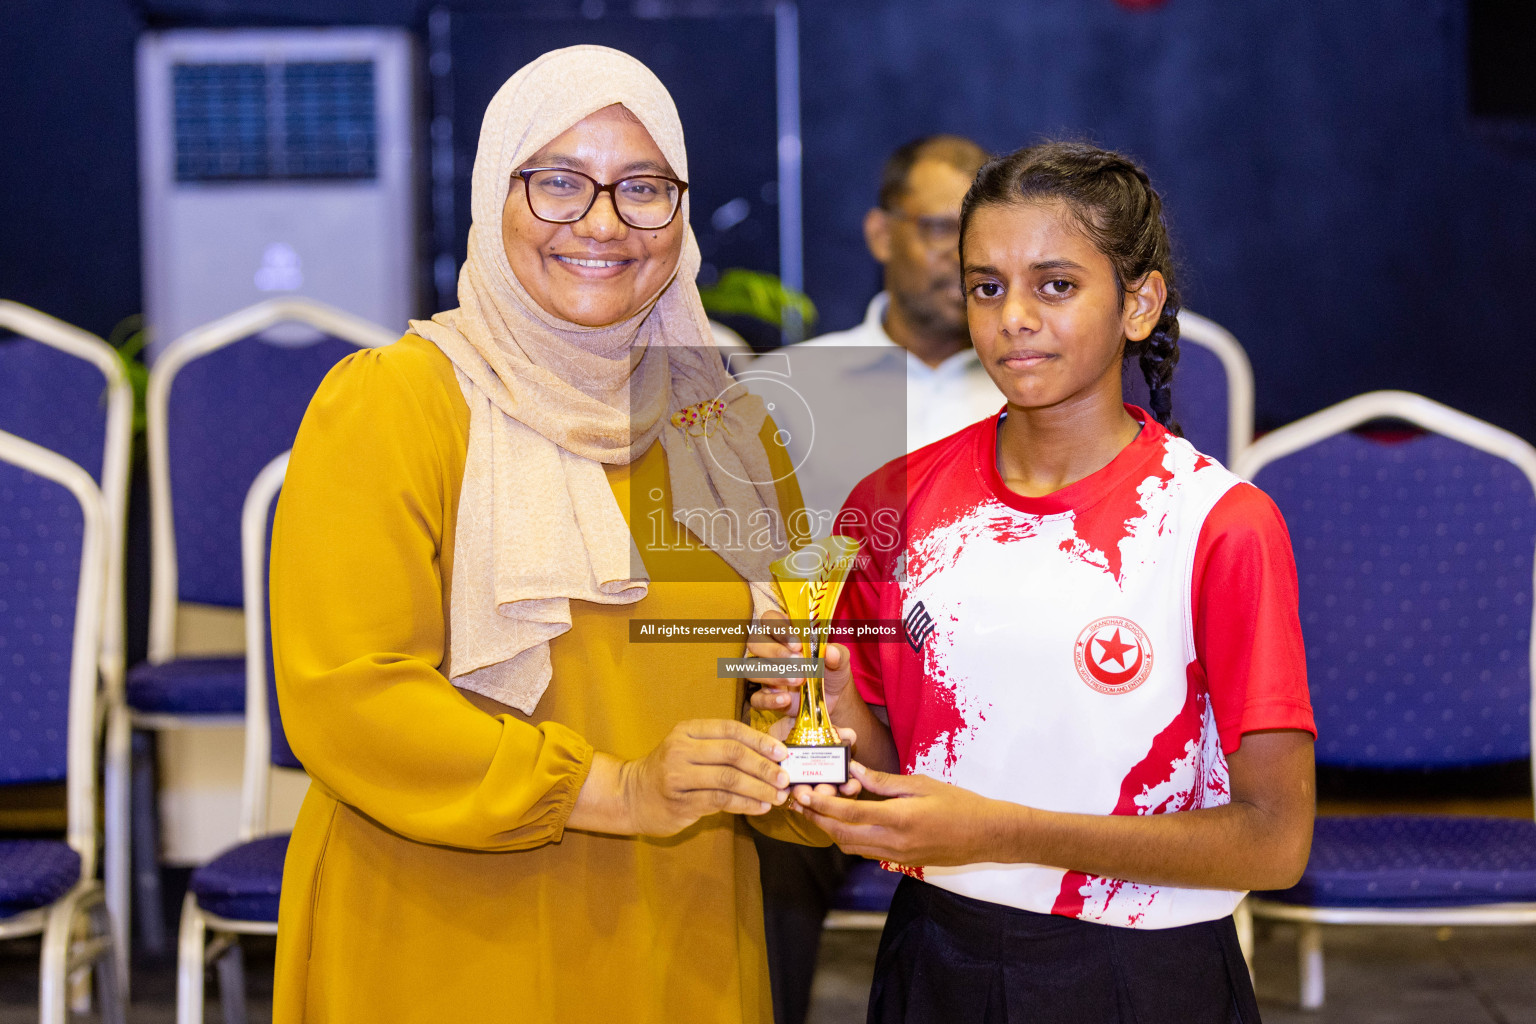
<point>1046,316</point>
<point>598,270</point>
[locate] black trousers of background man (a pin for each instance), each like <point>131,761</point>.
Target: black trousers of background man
<point>799,883</point>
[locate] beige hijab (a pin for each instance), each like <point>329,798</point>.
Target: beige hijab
<point>551,402</point>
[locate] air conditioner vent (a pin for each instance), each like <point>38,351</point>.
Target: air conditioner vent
<point>221,121</point>
<point>328,121</point>
<point>276,162</point>
<point>285,121</point>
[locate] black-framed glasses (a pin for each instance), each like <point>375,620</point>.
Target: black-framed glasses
<point>560,195</point>
<point>936,232</point>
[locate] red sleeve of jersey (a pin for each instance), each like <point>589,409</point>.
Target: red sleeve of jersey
<point>862,600</point>
<point>1247,626</point>
<point>872,517</point>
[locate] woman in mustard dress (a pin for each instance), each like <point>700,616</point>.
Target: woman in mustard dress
<point>519,811</point>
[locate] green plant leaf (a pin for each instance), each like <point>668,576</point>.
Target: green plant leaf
<point>127,340</point>
<point>764,297</point>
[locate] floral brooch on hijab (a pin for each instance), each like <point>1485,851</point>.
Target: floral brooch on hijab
<point>700,419</point>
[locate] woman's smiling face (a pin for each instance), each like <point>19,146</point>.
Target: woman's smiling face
<point>598,270</point>
<point>1047,317</point>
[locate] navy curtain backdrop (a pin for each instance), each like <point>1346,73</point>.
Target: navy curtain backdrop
<point>1334,201</point>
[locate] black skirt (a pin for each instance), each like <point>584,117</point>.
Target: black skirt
<point>949,959</point>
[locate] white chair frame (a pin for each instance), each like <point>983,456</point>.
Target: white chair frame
<point>1209,334</point>
<point>55,333</point>
<point>194,952</point>
<point>164,596</point>
<point>47,330</point>
<point>1475,433</point>
<point>63,955</point>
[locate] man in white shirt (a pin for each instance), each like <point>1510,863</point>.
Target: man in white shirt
<point>907,375</point>
<point>849,402</point>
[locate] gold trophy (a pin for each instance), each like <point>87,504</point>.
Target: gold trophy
<point>811,580</point>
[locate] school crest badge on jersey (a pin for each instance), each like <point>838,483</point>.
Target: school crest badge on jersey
<point>1113,655</point>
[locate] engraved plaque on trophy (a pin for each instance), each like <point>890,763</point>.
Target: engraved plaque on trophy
<point>811,580</point>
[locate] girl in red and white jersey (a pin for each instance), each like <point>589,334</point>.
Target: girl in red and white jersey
<point>1094,735</point>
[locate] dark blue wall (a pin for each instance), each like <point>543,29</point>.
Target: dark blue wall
<point>69,192</point>
<point>1334,204</point>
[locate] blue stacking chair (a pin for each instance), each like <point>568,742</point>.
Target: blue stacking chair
<point>222,401</point>
<point>64,389</point>
<point>237,892</point>
<point>1416,561</point>
<point>1212,388</point>
<point>53,568</point>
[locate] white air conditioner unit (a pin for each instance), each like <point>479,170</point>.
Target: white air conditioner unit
<point>276,162</point>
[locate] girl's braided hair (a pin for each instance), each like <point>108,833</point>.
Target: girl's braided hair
<point>1117,208</point>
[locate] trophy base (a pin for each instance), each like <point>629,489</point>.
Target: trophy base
<point>812,765</point>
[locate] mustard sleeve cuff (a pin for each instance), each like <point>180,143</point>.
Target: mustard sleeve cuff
<point>538,798</point>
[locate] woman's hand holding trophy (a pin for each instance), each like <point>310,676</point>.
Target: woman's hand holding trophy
<point>810,581</point>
